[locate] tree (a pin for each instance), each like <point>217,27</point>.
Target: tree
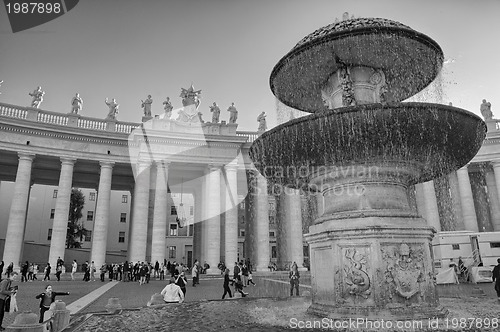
<point>76,230</point>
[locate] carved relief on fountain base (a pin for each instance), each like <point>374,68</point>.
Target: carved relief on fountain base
<point>376,267</point>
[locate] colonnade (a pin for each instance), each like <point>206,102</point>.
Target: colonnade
<point>213,241</point>
<point>465,210</point>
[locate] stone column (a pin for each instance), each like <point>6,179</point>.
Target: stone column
<point>466,199</point>
<point>203,220</point>
<point>426,196</point>
<point>160,214</point>
<point>496,170</point>
<point>213,221</point>
<point>60,224</point>
<point>293,224</point>
<point>492,198</point>
<point>455,199</point>
<point>139,231</point>
<point>100,234</point>
<point>261,225</point>
<point>231,225</point>
<point>197,230</point>
<point>18,209</point>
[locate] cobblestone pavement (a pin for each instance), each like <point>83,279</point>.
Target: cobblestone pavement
<point>204,311</point>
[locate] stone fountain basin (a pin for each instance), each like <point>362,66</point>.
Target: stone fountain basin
<point>410,61</point>
<point>432,139</point>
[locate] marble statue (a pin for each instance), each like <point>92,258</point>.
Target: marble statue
<point>234,113</point>
<point>168,108</point>
<point>37,97</point>
<point>1,85</point>
<point>486,110</point>
<point>215,112</point>
<point>190,102</point>
<point>113,109</point>
<point>146,104</point>
<point>76,104</point>
<point>262,121</point>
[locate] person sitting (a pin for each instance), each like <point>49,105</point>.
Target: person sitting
<point>172,293</point>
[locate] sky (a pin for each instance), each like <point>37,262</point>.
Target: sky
<point>127,49</point>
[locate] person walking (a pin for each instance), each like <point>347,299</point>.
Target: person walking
<point>58,272</point>
<point>6,290</point>
<point>92,271</point>
<point>46,299</point>
<point>47,272</point>
<point>24,272</point>
<point>238,285</point>
<point>10,270</point>
<point>74,267</point>
<point>194,274</point>
<point>35,271</point>
<point>103,271</point>
<point>236,271</point>
<point>496,278</point>
<point>294,279</point>
<point>227,280</point>
<point>143,271</point>
<point>30,272</point>
<point>181,281</point>
<point>250,278</point>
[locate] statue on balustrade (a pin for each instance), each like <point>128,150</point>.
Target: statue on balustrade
<point>190,102</point>
<point>113,109</point>
<point>1,85</point>
<point>233,113</point>
<point>215,112</point>
<point>486,110</point>
<point>168,108</point>
<point>76,104</point>
<point>37,97</point>
<point>262,122</point>
<point>146,104</point>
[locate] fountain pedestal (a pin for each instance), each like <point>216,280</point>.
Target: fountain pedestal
<point>371,255</point>
<point>374,271</point>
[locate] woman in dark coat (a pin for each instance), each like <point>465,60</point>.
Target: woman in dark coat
<point>227,280</point>
<point>46,299</point>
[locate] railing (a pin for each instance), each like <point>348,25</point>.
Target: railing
<point>12,111</point>
<point>78,121</point>
<point>252,135</point>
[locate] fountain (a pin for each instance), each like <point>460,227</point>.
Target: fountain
<point>361,149</point>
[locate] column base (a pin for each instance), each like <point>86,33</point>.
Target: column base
<point>373,267</point>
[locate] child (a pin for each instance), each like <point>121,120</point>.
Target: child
<point>250,279</point>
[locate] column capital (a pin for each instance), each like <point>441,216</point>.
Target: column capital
<point>214,167</point>
<point>233,167</point>
<point>464,168</point>
<point>162,163</point>
<point>26,156</point>
<point>67,161</point>
<point>495,163</point>
<point>107,164</point>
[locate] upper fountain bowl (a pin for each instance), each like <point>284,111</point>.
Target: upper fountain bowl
<point>409,60</point>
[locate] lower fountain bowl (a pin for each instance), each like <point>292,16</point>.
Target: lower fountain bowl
<point>434,139</point>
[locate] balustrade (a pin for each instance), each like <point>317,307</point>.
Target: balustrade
<point>42,116</point>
